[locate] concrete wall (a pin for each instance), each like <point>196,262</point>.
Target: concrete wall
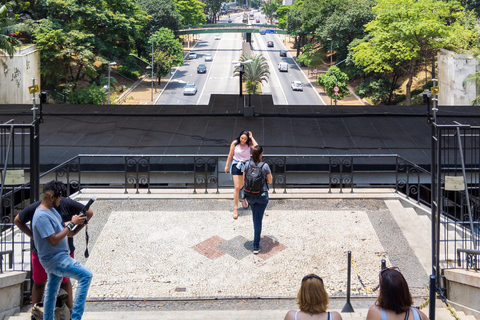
<point>463,290</point>
<point>453,68</point>
<point>11,293</point>
<point>16,76</point>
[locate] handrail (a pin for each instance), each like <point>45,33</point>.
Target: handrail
<point>469,252</point>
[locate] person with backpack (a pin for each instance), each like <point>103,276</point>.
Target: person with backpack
<point>257,175</point>
<point>239,154</point>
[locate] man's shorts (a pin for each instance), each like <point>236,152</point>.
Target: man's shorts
<point>38,272</point>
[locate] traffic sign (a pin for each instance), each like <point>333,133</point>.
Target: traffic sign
<point>269,31</point>
<point>434,90</point>
<point>315,71</point>
<point>336,93</point>
<point>33,89</point>
<point>336,89</point>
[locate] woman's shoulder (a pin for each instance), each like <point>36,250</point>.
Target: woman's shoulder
<point>335,315</point>
<point>290,315</point>
<point>374,312</point>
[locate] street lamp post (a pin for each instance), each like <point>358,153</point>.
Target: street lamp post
<point>331,49</point>
<point>109,67</point>
<point>152,65</point>
<point>241,66</point>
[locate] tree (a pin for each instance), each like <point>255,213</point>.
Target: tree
<point>168,51</point>
<point>163,14</point>
<point>474,78</point>
<point>294,27</point>
<point>282,13</point>
<point>213,7</point>
<point>255,72</point>
<point>270,7</point>
<point>346,24</point>
<point>191,12</point>
<point>7,43</point>
<point>403,29</point>
<point>334,77</point>
<point>311,57</point>
<point>67,56</point>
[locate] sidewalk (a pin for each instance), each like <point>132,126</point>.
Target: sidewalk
<point>176,255</point>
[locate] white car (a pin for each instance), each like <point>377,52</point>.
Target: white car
<point>217,37</point>
<point>208,57</point>
<point>283,67</point>
<point>190,88</point>
<point>296,86</point>
<point>192,55</point>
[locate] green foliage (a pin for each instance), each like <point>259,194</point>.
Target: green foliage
<point>7,43</point>
<point>403,29</point>
<point>129,72</point>
<point>270,7</point>
<point>191,12</point>
<point>92,95</point>
<point>163,13</point>
<point>345,24</point>
<point>334,77</point>
<point>168,51</point>
<point>310,57</point>
<point>255,72</point>
<point>213,8</point>
<point>282,13</point>
<point>379,89</point>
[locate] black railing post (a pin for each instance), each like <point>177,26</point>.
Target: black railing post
<point>348,306</point>
<point>383,264</point>
<point>431,308</point>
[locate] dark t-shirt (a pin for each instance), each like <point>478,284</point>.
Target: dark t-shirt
<point>67,209</point>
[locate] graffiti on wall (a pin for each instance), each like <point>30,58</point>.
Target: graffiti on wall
<point>17,77</point>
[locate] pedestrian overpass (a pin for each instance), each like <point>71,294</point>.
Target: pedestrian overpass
<point>231,28</point>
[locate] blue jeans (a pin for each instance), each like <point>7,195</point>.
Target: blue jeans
<point>258,204</point>
<point>71,268</point>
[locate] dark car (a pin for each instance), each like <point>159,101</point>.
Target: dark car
<point>269,43</point>
<point>283,53</point>
<point>201,68</point>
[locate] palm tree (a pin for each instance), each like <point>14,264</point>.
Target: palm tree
<point>7,43</point>
<point>255,72</point>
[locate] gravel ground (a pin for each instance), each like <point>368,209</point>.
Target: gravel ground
<point>142,249</point>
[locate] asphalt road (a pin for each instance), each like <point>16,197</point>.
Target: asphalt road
<point>219,76</point>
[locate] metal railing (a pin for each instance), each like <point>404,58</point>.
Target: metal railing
<point>204,173</point>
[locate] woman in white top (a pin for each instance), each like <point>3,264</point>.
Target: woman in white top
<point>239,154</point>
<point>394,300</point>
<point>312,301</point>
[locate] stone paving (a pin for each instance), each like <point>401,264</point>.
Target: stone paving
<point>192,248</point>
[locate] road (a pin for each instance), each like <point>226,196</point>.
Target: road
<point>219,76</point>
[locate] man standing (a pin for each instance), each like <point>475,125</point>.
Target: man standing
<point>50,234</point>
<point>67,209</point>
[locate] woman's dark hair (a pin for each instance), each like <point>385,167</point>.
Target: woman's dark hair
<point>394,293</point>
<point>244,132</point>
<point>56,187</point>
<point>257,153</point>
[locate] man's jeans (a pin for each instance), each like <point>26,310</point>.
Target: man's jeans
<point>258,205</point>
<point>71,268</point>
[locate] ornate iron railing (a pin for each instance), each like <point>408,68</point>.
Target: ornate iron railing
<point>203,173</point>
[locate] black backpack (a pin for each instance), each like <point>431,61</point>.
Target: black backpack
<point>254,179</point>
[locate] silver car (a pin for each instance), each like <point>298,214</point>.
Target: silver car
<point>296,86</point>
<point>190,88</point>
<point>208,57</point>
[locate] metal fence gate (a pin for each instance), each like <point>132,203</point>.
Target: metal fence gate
<point>455,195</point>
<point>19,162</point>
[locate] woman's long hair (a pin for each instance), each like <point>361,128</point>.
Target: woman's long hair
<point>257,153</point>
<point>394,293</point>
<point>249,141</point>
<point>312,297</point>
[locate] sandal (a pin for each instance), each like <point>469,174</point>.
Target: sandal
<point>245,204</point>
<point>235,213</point>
